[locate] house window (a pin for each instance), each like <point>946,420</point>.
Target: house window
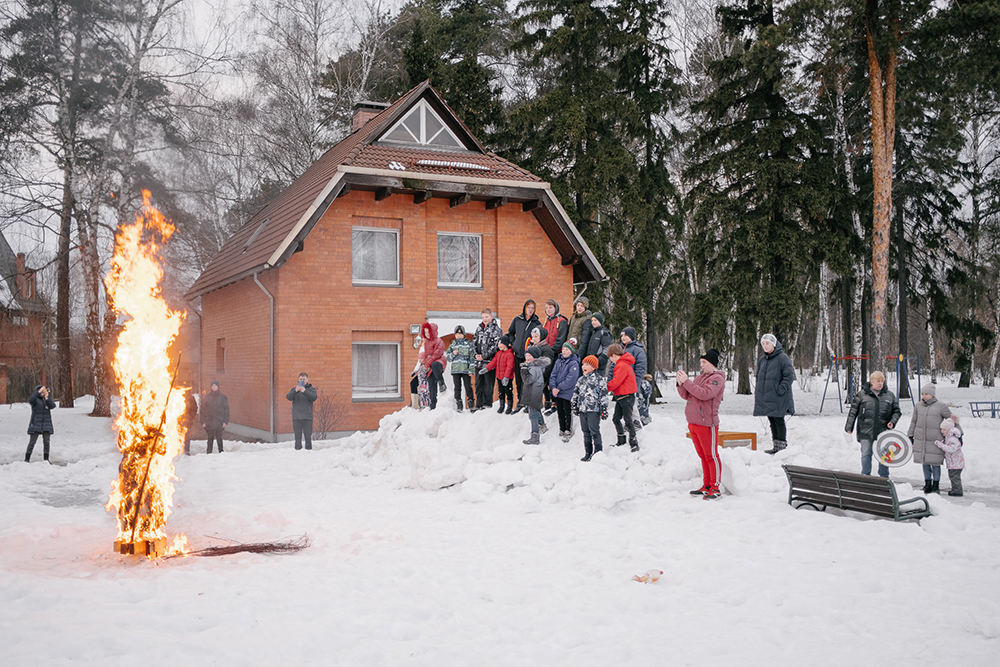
<point>375,256</point>
<point>19,321</point>
<point>375,370</point>
<point>460,260</point>
<point>220,355</point>
<point>424,128</point>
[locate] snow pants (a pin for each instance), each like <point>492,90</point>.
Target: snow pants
<point>706,443</point>
<point>459,379</point>
<point>565,411</point>
<point>484,389</point>
<point>590,424</point>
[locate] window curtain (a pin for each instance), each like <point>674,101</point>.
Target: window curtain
<point>373,255</point>
<point>375,369</point>
<point>458,260</point>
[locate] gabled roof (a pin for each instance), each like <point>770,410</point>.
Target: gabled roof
<point>362,162</point>
<point>10,297</point>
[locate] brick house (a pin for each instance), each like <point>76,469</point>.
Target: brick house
<point>406,220</point>
<point>22,327</point>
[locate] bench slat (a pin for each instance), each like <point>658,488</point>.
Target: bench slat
<point>848,491</point>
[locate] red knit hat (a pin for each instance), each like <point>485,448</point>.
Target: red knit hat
<point>591,361</point>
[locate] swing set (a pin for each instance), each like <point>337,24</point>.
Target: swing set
<point>834,373</point>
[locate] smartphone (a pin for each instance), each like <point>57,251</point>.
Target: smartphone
<point>302,383</point>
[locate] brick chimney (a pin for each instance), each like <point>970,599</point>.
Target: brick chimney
<point>25,279</point>
<point>364,112</point>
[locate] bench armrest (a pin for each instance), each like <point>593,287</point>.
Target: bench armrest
<point>927,507</point>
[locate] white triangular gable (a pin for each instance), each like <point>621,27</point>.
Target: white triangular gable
<point>421,127</point>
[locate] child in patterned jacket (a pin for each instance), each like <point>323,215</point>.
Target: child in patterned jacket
<point>461,357</point>
<point>590,403</point>
<point>953,456</point>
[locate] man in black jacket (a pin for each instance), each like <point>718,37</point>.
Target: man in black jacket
<point>214,415</point>
<point>484,346</point>
<point>875,409</point>
<point>302,396</point>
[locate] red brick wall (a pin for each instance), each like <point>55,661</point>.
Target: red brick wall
<point>320,312</point>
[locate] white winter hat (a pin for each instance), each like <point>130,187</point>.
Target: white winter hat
<point>947,425</point>
<point>769,338</point>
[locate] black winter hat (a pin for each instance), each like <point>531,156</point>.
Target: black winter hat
<point>534,351</point>
<point>599,316</point>
<point>505,339</point>
<point>630,332</point>
<point>712,357</point>
<point>460,329</point>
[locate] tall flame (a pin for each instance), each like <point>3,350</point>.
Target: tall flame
<point>150,433</point>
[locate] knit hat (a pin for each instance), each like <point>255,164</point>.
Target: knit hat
<point>505,339</point>
<point>769,338</point>
<point>630,332</point>
<point>584,300</point>
<point>460,329</point>
<point>542,334</point>
<point>929,389</point>
<point>712,357</point>
<point>591,361</point>
<point>947,425</point>
<point>599,316</point>
<point>534,351</point>
<point>572,348</point>
<point>214,382</point>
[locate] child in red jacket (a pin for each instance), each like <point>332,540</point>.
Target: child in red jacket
<point>622,384</point>
<point>503,362</point>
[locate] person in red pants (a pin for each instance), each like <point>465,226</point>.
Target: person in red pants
<point>703,396</point>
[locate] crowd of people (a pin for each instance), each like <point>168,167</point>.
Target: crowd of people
<point>542,367</point>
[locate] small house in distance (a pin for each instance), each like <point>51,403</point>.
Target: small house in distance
<point>23,316</point>
<point>406,220</point>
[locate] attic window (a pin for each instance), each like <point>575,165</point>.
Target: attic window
<point>422,127</point>
<point>255,235</point>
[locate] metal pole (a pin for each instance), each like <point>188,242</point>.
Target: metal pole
<point>270,357</point>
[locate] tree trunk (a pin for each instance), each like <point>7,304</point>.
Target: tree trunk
<point>904,387</point>
<point>932,362</point>
<point>63,352</point>
<point>743,360</point>
<point>882,86</point>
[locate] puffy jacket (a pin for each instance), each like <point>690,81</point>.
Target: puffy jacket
<point>580,327</point>
<point>703,396</point>
<point>461,356</point>
<point>557,328</point>
<point>638,350</point>
<point>622,383</point>
<point>41,413</point>
<point>952,448</point>
<point>600,341</point>
<point>214,410</point>
<point>564,375</point>
<point>533,374</point>
<point>925,428</point>
<point>503,362</point>
<point>773,393</point>
<point>302,401</point>
<point>520,329</point>
<point>433,349</point>
<point>873,412</point>
<point>485,342</point>
<point>590,394</point>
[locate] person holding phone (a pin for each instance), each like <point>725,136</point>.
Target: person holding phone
<point>302,396</point>
<point>41,420</point>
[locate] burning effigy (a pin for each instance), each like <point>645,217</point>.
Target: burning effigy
<point>149,425</point>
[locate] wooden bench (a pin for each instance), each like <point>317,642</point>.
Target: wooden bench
<point>736,439</point>
<point>820,489</point>
<point>979,408</point>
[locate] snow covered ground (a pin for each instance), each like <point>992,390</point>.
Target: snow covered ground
<point>441,540</point>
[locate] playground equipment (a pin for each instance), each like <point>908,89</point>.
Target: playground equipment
<point>902,371</point>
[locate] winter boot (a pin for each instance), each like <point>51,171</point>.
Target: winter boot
<point>441,387</point>
<point>634,445</point>
<point>533,440</point>
<point>27,454</point>
<point>458,405</point>
<point>927,486</point>
<point>414,401</point>
<point>934,487</point>
<point>503,404</point>
<point>621,441</point>
<point>776,447</point>
<point>518,408</point>
<point>509,410</point>
<point>542,428</point>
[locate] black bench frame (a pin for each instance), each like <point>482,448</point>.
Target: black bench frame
<point>819,489</point>
<point>979,408</point>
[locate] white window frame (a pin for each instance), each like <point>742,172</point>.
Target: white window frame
<point>437,260</point>
<point>383,230</point>
<point>423,108</point>
<point>378,395</point>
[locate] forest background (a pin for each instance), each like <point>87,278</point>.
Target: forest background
<point>827,170</point>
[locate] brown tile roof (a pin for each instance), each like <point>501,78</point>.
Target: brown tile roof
<point>292,212</point>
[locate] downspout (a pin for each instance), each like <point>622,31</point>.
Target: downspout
<point>270,355</point>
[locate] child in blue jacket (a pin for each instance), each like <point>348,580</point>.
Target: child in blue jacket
<point>562,383</point>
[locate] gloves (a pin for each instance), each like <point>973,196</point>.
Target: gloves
<point>505,381</point>
<point>484,370</point>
